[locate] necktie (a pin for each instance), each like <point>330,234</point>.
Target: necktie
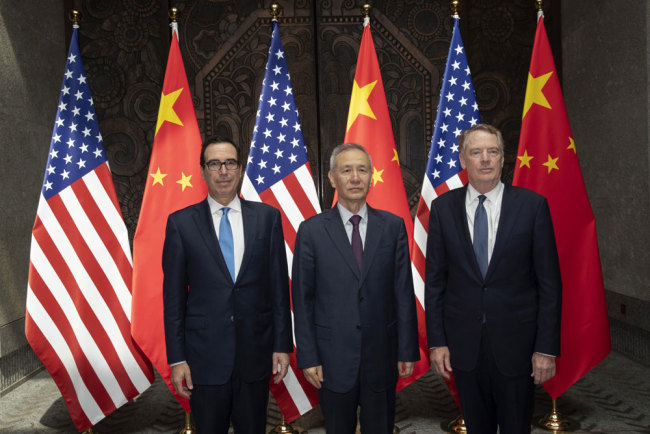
<point>226,243</point>
<point>357,246</point>
<point>481,235</point>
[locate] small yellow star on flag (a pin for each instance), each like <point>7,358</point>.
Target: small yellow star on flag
<point>185,181</point>
<point>572,144</point>
<point>395,156</point>
<point>525,159</point>
<point>158,177</point>
<point>376,176</point>
<point>551,163</point>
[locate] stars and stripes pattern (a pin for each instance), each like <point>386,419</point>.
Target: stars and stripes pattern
<point>278,173</point>
<point>79,285</point>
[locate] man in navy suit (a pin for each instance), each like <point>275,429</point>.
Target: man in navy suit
<point>492,290</point>
<point>226,299</point>
<point>353,302</point>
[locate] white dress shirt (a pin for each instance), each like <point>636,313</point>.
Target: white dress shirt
<point>347,224</point>
<point>492,206</point>
<point>236,223</point>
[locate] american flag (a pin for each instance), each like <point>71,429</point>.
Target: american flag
<point>278,173</point>
<point>457,110</point>
<point>79,285</point>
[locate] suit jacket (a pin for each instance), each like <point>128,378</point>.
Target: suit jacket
<point>352,321</point>
<point>520,296</point>
<point>212,322</point>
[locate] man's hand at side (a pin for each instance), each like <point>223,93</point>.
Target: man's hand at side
<point>439,357</point>
<point>281,359</point>
<point>182,379</point>
<point>314,375</point>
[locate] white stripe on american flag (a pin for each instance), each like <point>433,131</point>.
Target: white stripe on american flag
<point>307,182</point>
<point>96,245</point>
<point>420,235</point>
<point>58,290</point>
<point>418,285</point>
<point>289,206</point>
<point>248,191</point>
<point>298,395</point>
<point>110,213</point>
<point>49,329</point>
<point>289,264</point>
<point>85,283</point>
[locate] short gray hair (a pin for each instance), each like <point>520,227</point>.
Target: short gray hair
<point>346,147</point>
<point>464,136</point>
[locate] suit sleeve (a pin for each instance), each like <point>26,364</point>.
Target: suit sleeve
<point>435,281</point>
<point>407,320</point>
<point>175,285</point>
<point>303,288</point>
<point>279,282</point>
<point>549,283</point>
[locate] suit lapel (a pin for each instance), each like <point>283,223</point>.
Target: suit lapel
<point>507,220</point>
<point>463,231</point>
<point>205,224</point>
<point>250,232</point>
<point>336,231</point>
<point>374,234</point>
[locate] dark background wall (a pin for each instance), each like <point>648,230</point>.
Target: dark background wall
<point>225,43</point>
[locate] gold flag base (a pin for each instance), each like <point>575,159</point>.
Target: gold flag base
<point>283,427</point>
<point>89,431</point>
<point>189,426</point>
<point>555,422</point>
<point>456,425</point>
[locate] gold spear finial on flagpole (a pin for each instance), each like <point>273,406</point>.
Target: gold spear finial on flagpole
<point>454,5</point>
<point>173,14</point>
<point>275,10</point>
<point>75,16</point>
<point>538,5</point>
<point>365,10</point>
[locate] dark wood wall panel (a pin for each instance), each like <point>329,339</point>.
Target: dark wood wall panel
<point>225,44</point>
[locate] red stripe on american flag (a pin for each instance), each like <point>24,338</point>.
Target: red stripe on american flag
<point>84,366</point>
<point>55,367</point>
<point>86,313</point>
<point>104,175</point>
<point>299,196</point>
<point>87,259</point>
<point>285,401</point>
<point>269,198</point>
<point>419,260</point>
<point>307,387</point>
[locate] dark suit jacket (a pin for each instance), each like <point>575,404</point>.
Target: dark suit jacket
<point>213,322</point>
<point>346,319</point>
<point>521,294</point>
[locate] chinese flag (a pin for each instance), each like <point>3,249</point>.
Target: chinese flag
<point>369,125</point>
<point>173,182</point>
<point>548,164</point>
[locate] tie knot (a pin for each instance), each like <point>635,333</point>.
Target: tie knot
<point>481,199</point>
<point>355,219</point>
<point>225,210</point>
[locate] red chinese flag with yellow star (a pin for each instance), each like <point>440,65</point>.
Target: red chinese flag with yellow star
<point>173,182</point>
<point>547,163</point>
<point>369,125</point>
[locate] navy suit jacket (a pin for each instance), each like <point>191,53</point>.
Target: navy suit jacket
<point>352,321</point>
<point>212,322</point>
<point>520,296</point>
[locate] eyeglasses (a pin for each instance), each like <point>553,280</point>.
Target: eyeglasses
<point>215,165</point>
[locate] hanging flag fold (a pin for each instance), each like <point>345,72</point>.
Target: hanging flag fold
<point>278,173</point>
<point>369,125</point>
<point>79,286</point>
<point>547,163</point>
<point>173,182</point>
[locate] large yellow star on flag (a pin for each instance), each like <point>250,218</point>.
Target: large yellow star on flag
<point>158,177</point>
<point>534,94</point>
<point>551,163</point>
<point>572,144</point>
<point>166,111</point>
<point>359,102</point>
<point>185,181</point>
<point>525,159</point>
<point>376,176</point>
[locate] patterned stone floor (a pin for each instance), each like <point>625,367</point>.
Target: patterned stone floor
<point>613,398</point>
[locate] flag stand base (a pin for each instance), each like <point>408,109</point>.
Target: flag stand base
<point>555,422</point>
<point>456,425</point>
<point>283,427</point>
<point>89,431</point>
<point>189,427</point>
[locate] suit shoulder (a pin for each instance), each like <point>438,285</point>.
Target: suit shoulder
<point>526,194</point>
<point>188,210</point>
<point>388,216</point>
<point>261,207</point>
<point>450,196</point>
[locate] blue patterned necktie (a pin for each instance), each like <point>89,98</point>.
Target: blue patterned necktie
<point>226,243</point>
<point>357,245</point>
<point>481,235</point>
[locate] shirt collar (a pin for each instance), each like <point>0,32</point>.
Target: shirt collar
<point>346,214</point>
<point>491,195</point>
<point>215,206</point>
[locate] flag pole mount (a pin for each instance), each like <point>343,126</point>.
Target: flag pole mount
<point>365,10</point>
<point>454,5</point>
<point>456,425</point>
<point>556,422</point>
<point>75,17</point>
<point>274,10</point>
<point>189,426</point>
<point>173,14</point>
<point>539,5</point>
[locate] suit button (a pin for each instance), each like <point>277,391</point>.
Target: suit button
<point>236,288</point>
<point>484,288</point>
<point>361,299</point>
<point>232,318</point>
<point>358,327</point>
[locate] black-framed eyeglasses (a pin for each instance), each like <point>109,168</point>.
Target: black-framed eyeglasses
<point>215,165</point>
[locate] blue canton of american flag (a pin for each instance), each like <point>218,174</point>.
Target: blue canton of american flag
<point>79,285</point>
<point>76,147</point>
<point>278,173</point>
<point>457,110</point>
